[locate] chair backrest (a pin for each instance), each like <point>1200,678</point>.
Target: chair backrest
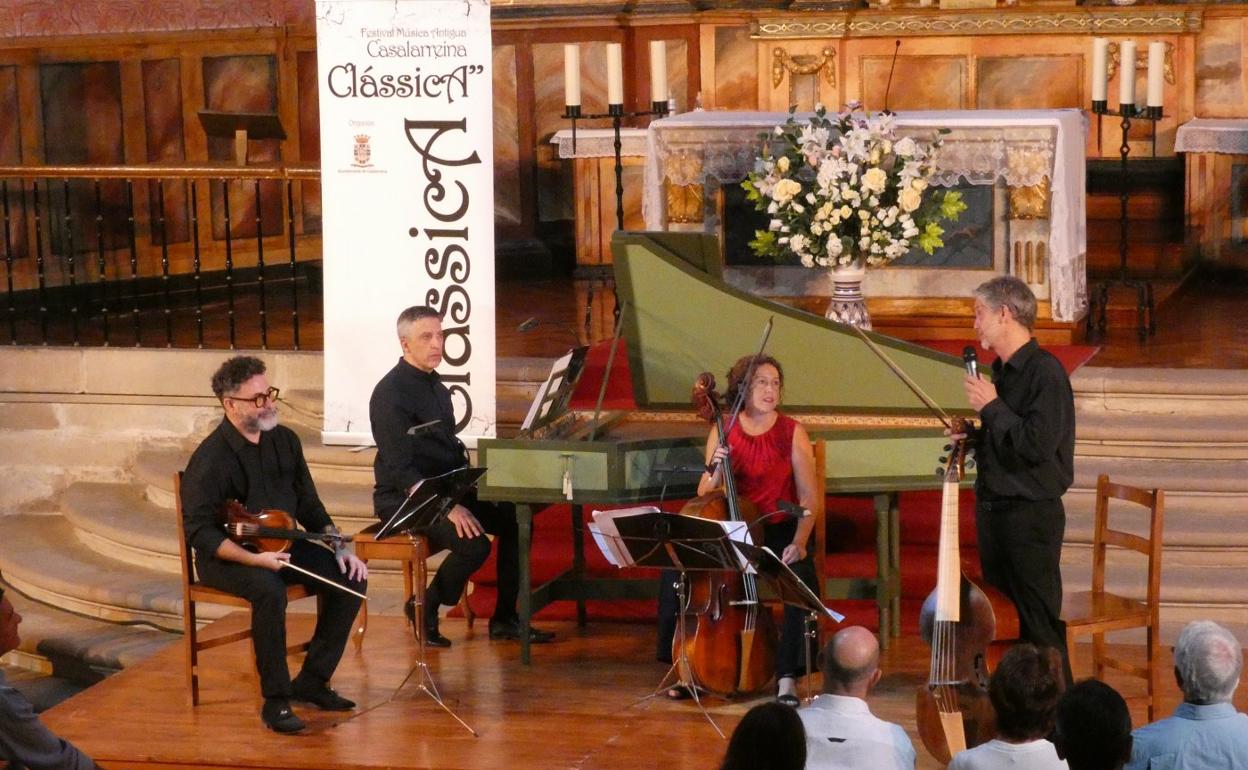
<point>184,551</point>
<point>1104,536</point>
<point>820,513</point>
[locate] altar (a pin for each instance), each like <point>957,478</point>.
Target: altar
<point>1027,217</point>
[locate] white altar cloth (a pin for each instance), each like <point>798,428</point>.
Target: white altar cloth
<point>1018,147</point>
<point>1228,136</point>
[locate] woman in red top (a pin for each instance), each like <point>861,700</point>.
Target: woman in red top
<point>772,460</point>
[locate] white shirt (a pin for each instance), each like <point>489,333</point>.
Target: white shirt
<point>843,734</point>
<point>996,753</point>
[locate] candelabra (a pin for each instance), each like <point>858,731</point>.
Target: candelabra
<point>617,115</point>
<point>1145,321</point>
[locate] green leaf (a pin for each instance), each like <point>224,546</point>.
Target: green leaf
<point>764,243</point>
<point>751,192</point>
<point>952,206</point>
<point>929,239</point>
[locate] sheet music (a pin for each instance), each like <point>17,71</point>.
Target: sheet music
<point>609,540</point>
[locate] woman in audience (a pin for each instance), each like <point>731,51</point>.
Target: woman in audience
<point>769,737</point>
<point>1024,691</point>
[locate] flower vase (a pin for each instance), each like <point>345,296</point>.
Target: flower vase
<point>847,304</point>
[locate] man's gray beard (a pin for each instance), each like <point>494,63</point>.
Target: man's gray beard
<point>262,422</point>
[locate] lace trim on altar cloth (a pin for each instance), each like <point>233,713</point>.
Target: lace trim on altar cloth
<point>1228,136</point>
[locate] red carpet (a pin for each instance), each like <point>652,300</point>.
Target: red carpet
<point>850,521</point>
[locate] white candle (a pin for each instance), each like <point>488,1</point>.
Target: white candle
<point>615,73</point>
<point>1100,68</point>
<point>658,71</point>
<point>1156,72</point>
<point>572,75</point>
<point>1126,73</point>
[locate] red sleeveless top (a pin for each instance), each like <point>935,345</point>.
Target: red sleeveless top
<point>762,465</point>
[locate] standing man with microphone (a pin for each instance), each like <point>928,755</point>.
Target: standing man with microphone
<point>1024,448</point>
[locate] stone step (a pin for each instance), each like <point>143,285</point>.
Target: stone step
<point>1182,475</point>
<point>1161,436</point>
<point>117,520</point>
<point>41,690</point>
<point>1208,585</point>
<point>1195,392</point>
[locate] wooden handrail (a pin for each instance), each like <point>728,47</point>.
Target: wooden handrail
<point>165,171</point>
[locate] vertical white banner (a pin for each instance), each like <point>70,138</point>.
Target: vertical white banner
<point>407,191</point>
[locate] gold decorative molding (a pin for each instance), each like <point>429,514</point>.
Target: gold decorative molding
<point>801,64</point>
<point>994,22</point>
<point>1141,61</point>
<point>1030,201</point>
<point>684,203</point>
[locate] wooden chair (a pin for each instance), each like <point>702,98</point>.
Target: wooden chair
<point>885,585</point>
<point>412,553</point>
<point>193,592</point>
<point>1097,611</point>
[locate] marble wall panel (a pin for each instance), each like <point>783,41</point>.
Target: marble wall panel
<point>919,82</point>
<point>308,101</point>
<point>162,119</point>
<point>244,84</point>
<point>736,69</point>
<point>1052,82</point>
<point>678,73</point>
<point>507,208</point>
<point>1220,69</point>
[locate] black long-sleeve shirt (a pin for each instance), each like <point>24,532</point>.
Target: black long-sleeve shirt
<point>270,474</point>
<point>1026,443</point>
<point>404,398</point>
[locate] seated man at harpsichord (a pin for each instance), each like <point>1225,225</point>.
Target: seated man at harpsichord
<point>251,459</point>
<point>413,423</point>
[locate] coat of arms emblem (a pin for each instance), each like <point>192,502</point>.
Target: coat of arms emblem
<point>363,151</point>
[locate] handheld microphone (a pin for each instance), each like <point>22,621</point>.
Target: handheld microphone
<point>971,360</point>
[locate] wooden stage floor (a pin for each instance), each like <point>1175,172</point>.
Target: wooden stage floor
<point>573,708</point>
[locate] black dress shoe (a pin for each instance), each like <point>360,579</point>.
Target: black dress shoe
<point>510,629</point>
<point>279,718</point>
<point>432,637</point>
<point>319,694</point>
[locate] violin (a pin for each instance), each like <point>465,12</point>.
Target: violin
<point>732,649</point>
<point>271,529</point>
<point>968,627</point>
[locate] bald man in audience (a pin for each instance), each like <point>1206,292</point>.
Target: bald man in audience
<point>841,731</point>
<point>1205,731</point>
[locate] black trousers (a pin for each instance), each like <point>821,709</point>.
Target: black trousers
<point>1020,549</point>
<point>467,554</point>
<point>790,657</point>
<point>266,591</point>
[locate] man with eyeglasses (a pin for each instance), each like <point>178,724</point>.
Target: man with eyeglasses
<point>251,459</point>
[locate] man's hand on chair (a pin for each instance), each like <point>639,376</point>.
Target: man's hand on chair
<point>351,566</point>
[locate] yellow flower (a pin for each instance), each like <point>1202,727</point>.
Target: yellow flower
<point>782,165</point>
<point>785,189</point>
<point>875,180</point>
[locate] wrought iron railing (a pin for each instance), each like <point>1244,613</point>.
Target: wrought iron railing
<point>211,256</point>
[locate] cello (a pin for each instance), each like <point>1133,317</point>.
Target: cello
<point>732,649</point>
<point>967,626</point>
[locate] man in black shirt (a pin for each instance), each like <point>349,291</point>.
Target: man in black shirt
<point>1025,449</point>
<point>413,423</point>
<point>251,459</point>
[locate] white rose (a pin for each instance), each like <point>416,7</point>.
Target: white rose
<point>782,165</point>
<point>875,180</point>
<point>904,147</point>
<point>835,247</point>
<point>919,184</point>
<point>774,224</point>
<point>785,189</point>
<point>845,212</point>
<point>909,199</point>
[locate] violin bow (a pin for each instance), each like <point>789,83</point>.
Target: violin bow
<point>905,378</point>
<point>749,376</point>
<point>326,581</point>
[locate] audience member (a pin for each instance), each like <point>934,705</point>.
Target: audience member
<point>841,731</point>
<point>1093,727</point>
<point>24,741</point>
<point>768,737</point>
<point>1024,691</point>
<point>1205,731</point>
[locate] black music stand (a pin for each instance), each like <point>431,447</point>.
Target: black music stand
<point>432,499</point>
<point>655,539</point>
<point>428,503</point>
<point>790,590</point>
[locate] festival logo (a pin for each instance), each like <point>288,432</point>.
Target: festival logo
<point>363,151</point>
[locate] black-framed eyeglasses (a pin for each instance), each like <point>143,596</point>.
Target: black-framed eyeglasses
<point>260,398</point>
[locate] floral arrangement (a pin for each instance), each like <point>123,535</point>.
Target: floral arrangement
<point>847,190</point>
